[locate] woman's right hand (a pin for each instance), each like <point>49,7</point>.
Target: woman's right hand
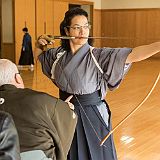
<point>71,106</point>
<point>41,45</point>
<point>43,41</point>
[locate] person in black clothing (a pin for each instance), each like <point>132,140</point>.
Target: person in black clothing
<point>26,57</point>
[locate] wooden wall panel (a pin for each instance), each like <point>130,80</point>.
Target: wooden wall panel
<point>130,27</point>
<point>109,28</point>
<point>125,31</point>
<point>97,27</point>
<point>40,17</point>
<point>141,33</point>
<point>44,17</point>
<point>7,51</point>
<point>30,23</point>
<point>115,27</point>
<point>24,14</point>
<point>60,8</point>
<point>147,26</point>
<point>50,17</point>
<point>19,24</point>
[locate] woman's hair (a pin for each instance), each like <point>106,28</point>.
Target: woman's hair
<point>69,15</point>
<point>7,71</point>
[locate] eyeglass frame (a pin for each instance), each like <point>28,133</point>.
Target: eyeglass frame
<point>78,27</point>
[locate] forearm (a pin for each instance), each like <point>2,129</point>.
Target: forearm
<point>41,45</point>
<point>39,48</point>
<point>37,52</point>
<point>143,52</point>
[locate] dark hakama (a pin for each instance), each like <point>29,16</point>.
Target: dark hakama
<point>26,57</point>
<point>77,74</point>
<point>90,132</point>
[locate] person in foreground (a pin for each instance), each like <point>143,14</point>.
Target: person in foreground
<point>86,72</point>
<point>43,122</point>
<point>9,142</point>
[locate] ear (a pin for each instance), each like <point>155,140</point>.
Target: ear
<point>18,79</point>
<point>66,31</point>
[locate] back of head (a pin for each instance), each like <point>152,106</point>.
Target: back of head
<point>25,29</point>
<point>7,71</point>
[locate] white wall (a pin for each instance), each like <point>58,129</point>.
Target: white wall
<point>121,4</point>
<point>7,23</point>
<point>97,3</point>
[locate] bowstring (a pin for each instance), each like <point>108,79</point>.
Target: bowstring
<point>133,111</point>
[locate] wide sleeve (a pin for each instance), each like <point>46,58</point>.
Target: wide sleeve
<point>65,124</point>
<point>112,61</point>
<point>47,59</point>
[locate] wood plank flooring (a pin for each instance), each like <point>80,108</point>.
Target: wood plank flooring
<point>138,138</point>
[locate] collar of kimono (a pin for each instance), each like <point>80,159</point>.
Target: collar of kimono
<point>133,111</point>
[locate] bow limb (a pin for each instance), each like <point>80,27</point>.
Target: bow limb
<point>133,111</point>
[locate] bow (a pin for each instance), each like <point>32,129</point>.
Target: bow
<point>133,111</point>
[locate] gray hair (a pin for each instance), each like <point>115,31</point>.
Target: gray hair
<point>7,71</point>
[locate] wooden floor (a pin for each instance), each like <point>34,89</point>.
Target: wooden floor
<point>139,137</point>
